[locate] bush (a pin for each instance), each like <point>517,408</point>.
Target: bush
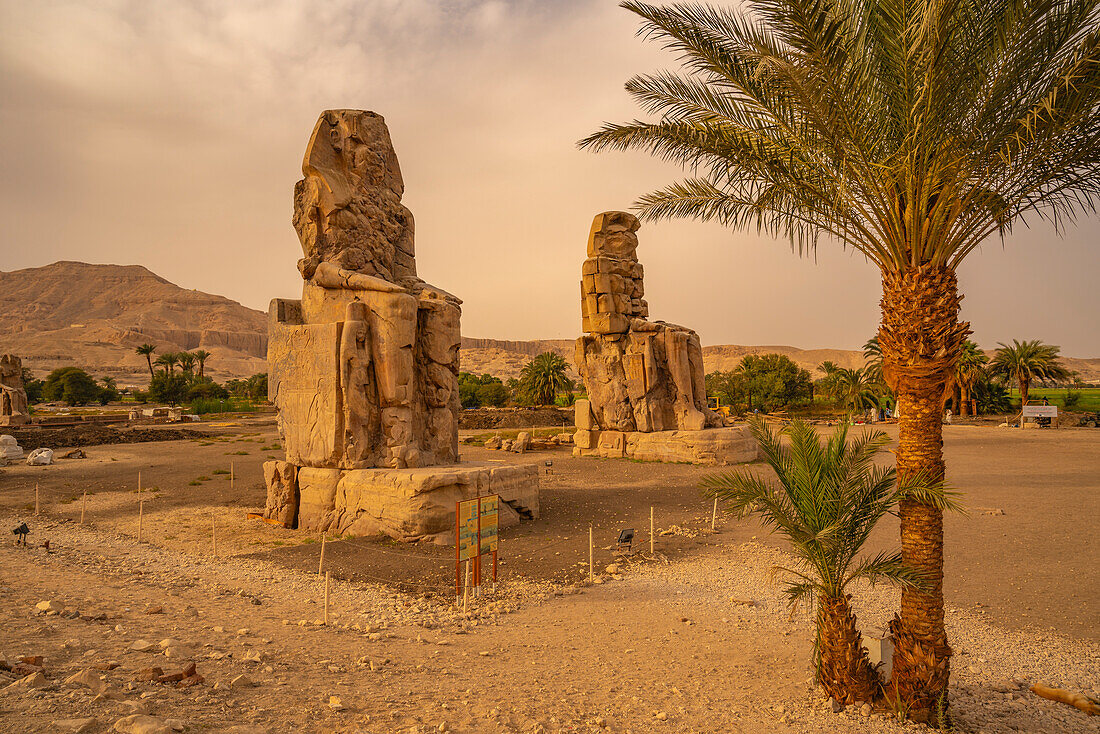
<point>71,385</point>
<point>766,382</point>
<point>992,397</point>
<point>170,388</point>
<point>203,406</point>
<point>1072,398</point>
<point>475,391</point>
<point>205,388</point>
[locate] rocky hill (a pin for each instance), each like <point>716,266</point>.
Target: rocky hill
<point>93,316</point>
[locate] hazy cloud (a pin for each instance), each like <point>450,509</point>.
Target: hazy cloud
<point>170,134</point>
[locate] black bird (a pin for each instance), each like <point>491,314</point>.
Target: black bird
<point>20,534</point>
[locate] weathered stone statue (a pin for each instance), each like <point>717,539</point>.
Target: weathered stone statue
<point>364,368</point>
<point>642,377</point>
<point>13,398</point>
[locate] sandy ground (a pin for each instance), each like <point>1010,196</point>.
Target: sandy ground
<point>546,652</point>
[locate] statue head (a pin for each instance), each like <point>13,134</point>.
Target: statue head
<point>351,149</point>
<point>613,235</point>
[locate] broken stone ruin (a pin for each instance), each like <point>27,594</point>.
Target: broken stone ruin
<point>646,395</point>
<point>13,398</point>
<point>364,368</point>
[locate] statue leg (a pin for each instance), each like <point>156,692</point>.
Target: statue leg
<point>678,351</point>
<point>393,331</point>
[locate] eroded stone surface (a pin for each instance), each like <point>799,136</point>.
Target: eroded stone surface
<point>640,375</point>
<point>281,478</point>
<point>13,398</point>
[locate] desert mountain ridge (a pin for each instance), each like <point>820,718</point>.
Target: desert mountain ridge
<point>93,316</point>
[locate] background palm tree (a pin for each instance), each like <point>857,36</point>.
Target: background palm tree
<point>968,369</point>
<point>854,390</point>
<point>1026,361</point>
<point>909,132</point>
<point>186,361</point>
<point>146,350</point>
<point>544,377</point>
<point>168,361</point>
<point>201,355</point>
<point>829,498</point>
<point>872,360</point>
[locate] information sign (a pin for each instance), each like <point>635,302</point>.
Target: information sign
<point>1040,411</point>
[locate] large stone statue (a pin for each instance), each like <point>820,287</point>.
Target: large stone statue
<point>642,377</point>
<point>13,398</point>
<point>364,368</point>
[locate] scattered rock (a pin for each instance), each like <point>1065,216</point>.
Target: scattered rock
<point>335,703</point>
<point>75,454</point>
<point>76,726</point>
<point>46,607</point>
<point>142,724</point>
<point>660,716</point>
<point>149,674</point>
<point>34,680</point>
<point>40,457</point>
<point>154,610</point>
<point>865,710</point>
<point>835,706</point>
<point>87,678</point>
<point>241,681</point>
<point>142,646</point>
<point>612,568</point>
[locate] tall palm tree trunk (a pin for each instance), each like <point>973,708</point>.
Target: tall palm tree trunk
<point>844,670</point>
<point>921,338</point>
<point>150,361</point>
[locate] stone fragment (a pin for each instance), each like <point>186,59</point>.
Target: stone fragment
<point>493,442</point>
<point>40,457</point>
<point>9,449</point>
<point>142,646</point>
<point>87,678</point>
<point>142,724</point>
<point>50,605</point>
<point>241,681</point>
<point>75,726</point>
<point>335,703</point>
<point>522,442</point>
<point>149,674</point>
<point>34,680</point>
<point>281,479</point>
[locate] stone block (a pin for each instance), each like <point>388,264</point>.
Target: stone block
<point>281,479</point>
<point>611,444</point>
<point>585,439</point>
<point>582,415</point>
<point>317,497</point>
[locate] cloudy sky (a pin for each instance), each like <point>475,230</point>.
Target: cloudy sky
<point>170,134</point>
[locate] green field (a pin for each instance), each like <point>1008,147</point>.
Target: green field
<point>1088,403</point>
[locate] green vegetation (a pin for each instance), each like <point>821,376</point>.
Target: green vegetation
<point>477,392</point>
<point>74,386</point>
<point>1083,400</point>
<point>206,406</point>
<point>543,379</point>
<point>764,382</point>
<point>1028,361</point>
<point>829,498</point>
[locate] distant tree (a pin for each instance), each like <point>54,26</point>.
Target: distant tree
<point>109,392</point>
<point>256,386</point>
<point>543,378</point>
<point>854,391</point>
<point>774,381</point>
<point>71,385</point>
<point>1028,361</point>
<point>968,369</point>
<point>169,388</point>
<point>483,390</point>
<point>991,394</point>
<point>204,387</point>
<point>872,360</point>
<point>168,361</point>
<point>146,350</point>
<point>186,362</point>
<point>201,355</point>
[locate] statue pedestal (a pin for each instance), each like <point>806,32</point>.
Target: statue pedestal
<point>711,446</point>
<point>405,504</point>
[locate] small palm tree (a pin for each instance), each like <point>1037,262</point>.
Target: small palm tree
<point>1026,361</point>
<point>969,368</point>
<point>872,358</point>
<point>830,495</point>
<point>146,350</point>
<point>168,361</point>
<point>186,362</point>
<point>544,377</point>
<point>201,355</point>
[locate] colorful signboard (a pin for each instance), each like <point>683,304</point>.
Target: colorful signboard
<point>488,524</point>
<point>476,525</point>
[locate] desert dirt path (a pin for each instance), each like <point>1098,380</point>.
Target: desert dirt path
<point>702,645</point>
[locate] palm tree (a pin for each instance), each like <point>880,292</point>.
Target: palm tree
<point>186,362</point>
<point>854,390</point>
<point>749,369</point>
<point>830,496</point>
<point>201,355</point>
<point>168,361</point>
<point>146,350</point>
<point>544,377</point>
<point>969,367</point>
<point>872,358</point>
<point>1026,361</point>
<point>909,132</point>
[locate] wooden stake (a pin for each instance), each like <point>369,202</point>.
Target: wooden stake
<point>232,477</point>
<point>321,563</point>
<point>326,596</point>
<point>590,574</point>
<point>651,530</point>
<point>214,534</point>
<point>141,517</point>
<point>714,515</point>
<point>465,587</point>
<point>83,506</point>
<point>36,498</point>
